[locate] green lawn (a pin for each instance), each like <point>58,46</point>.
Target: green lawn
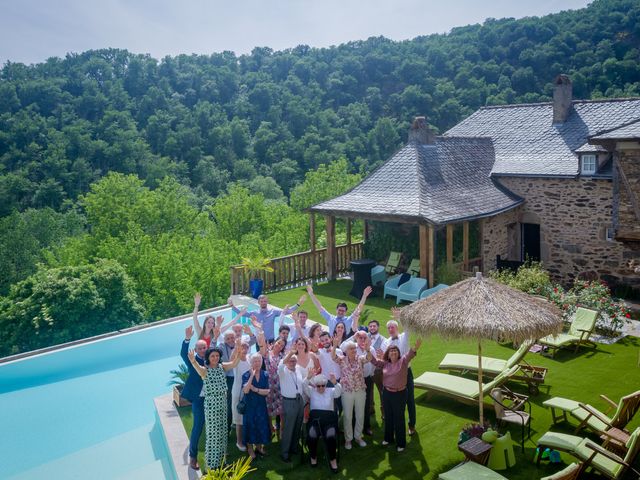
<point>611,370</point>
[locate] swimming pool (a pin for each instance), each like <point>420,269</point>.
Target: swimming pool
<point>87,411</point>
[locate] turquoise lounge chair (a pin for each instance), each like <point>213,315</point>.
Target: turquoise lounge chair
<point>411,290</point>
<point>431,291</point>
<point>391,286</point>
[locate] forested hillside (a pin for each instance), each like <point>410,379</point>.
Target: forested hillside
<point>170,170</point>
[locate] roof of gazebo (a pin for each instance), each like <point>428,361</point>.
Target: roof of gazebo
<point>439,182</point>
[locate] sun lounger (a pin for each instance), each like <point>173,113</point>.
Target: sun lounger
<point>491,366</point>
<point>460,388</point>
<point>582,326</point>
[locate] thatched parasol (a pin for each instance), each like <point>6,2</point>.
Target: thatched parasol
<point>481,308</point>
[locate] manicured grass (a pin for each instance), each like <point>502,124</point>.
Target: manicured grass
<point>610,369</point>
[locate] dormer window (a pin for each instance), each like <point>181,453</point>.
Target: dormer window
<point>587,164</point>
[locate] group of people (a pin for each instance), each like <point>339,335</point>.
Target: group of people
<point>297,378</point>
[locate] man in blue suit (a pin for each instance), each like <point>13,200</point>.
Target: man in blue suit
<point>191,391</point>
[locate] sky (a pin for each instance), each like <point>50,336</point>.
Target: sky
<point>33,30</point>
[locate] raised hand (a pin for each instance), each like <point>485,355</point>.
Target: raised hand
<point>216,332</point>
<point>418,343</point>
<point>196,299</point>
<point>260,338</point>
<point>395,311</point>
<point>367,291</point>
<point>246,329</point>
<point>230,301</point>
<point>255,322</point>
<point>311,373</point>
<point>188,332</point>
<point>238,343</point>
<point>379,354</point>
<point>219,320</point>
<point>336,342</point>
<point>332,379</point>
<point>192,355</point>
<point>243,311</point>
<point>302,299</point>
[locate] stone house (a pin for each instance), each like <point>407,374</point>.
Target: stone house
<point>557,182</point>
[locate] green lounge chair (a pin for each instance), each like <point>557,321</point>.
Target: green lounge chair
<point>475,471</point>
<point>593,455</point>
<point>591,417</point>
<point>411,290</point>
<point>460,388</point>
<point>379,273</point>
<point>491,366</point>
<point>584,321</point>
<point>431,291</point>
<point>414,268</point>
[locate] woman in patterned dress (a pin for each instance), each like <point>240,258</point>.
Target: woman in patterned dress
<point>215,402</point>
<point>255,385</point>
<point>274,398</point>
<point>239,370</point>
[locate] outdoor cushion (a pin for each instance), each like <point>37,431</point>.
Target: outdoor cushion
<point>559,340</point>
<point>471,471</point>
<point>563,473</point>
<point>561,441</point>
<point>578,412</point>
<point>448,383</point>
<point>491,366</point>
<point>562,404</point>
<point>462,361</point>
<point>583,320</point>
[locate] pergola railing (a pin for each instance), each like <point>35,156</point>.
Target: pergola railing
<point>297,269</point>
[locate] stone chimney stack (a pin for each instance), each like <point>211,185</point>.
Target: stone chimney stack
<point>420,133</point>
<point>562,97</point>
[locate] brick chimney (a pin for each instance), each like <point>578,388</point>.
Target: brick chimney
<point>419,132</point>
<point>562,96</point>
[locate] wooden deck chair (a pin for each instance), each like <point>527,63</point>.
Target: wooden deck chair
<point>464,363</point>
<point>591,417</point>
<point>594,456</point>
<point>475,471</point>
<point>509,409</point>
<point>459,388</point>
<point>582,326</point>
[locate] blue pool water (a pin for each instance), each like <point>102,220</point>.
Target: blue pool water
<point>87,411</point>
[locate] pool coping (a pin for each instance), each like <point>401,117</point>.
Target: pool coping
<point>175,438</point>
<point>124,331</point>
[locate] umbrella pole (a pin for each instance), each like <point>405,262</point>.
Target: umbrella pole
<point>480,395</point>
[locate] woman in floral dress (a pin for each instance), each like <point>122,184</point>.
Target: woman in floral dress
<point>274,398</point>
<point>215,402</point>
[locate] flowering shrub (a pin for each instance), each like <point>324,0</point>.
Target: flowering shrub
<point>473,430</point>
<point>596,295</point>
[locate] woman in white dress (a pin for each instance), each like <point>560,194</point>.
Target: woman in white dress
<point>240,369</point>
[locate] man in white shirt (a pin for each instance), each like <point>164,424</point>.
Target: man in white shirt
<point>291,388</point>
<point>341,310</point>
<point>401,340</point>
<point>360,339</point>
<point>328,366</point>
<point>303,316</point>
<point>376,344</point>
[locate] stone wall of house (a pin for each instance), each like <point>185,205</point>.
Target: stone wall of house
<point>573,215</point>
<point>630,165</point>
<point>497,238</point>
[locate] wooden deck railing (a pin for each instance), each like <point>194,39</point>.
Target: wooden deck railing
<point>297,269</point>
<point>473,265</point>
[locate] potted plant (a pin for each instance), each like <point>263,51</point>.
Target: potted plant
<point>234,471</point>
<point>253,266</point>
<point>179,377</point>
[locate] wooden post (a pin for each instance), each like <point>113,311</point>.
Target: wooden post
<point>465,246</point>
<point>424,251</point>
<point>331,247</point>
<point>449,243</point>
<point>480,385</point>
<point>431,256</point>
<point>312,245</point>
<point>348,242</point>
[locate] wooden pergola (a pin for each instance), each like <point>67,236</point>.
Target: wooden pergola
<point>426,236</point>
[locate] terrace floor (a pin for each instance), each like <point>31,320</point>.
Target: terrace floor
<point>612,370</point>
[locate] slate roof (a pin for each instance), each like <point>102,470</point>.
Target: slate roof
<point>631,131</point>
<point>439,183</point>
<point>588,148</point>
<point>527,143</point>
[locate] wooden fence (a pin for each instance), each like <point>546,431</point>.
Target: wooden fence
<point>297,269</point>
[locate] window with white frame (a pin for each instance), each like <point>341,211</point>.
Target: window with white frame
<point>588,164</point>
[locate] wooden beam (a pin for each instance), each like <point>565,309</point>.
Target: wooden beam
<point>449,242</point>
<point>348,241</point>
<point>331,258</point>
<point>465,246</point>
<point>424,251</point>
<point>431,256</point>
